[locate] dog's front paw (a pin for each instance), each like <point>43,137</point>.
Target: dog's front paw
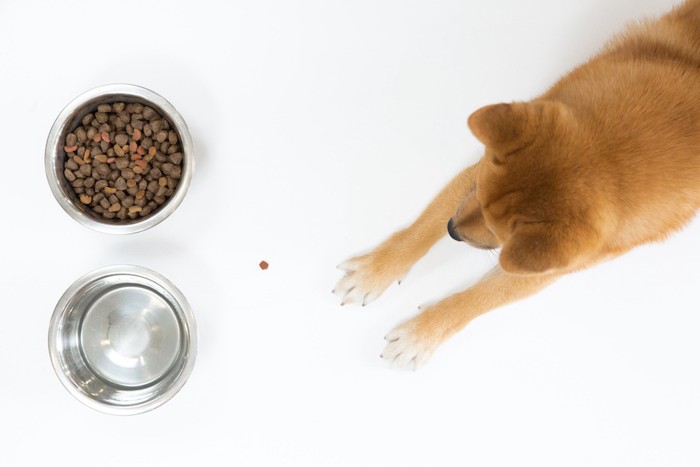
<point>410,345</point>
<point>367,277</point>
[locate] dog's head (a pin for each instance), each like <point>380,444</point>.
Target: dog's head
<point>530,195</point>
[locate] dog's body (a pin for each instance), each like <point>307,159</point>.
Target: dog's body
<point>606,160</point>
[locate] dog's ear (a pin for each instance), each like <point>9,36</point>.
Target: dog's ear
<point>537,248</point>
<point>500,126</point>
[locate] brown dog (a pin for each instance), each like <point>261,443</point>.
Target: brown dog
<point>607,159</point>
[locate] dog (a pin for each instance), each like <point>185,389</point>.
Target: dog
<point>607,159</point>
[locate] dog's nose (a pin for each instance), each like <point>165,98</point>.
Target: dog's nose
<point>451,230</point>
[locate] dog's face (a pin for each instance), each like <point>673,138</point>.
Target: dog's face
<point>526,196</point>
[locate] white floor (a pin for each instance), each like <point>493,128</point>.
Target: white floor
<point>320,128</point>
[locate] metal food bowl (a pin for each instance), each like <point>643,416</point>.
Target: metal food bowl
<point>123,340</point>
<point>70,118</point>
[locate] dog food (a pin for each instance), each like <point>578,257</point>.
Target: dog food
<point>123,161</point>
<point>263,265</point>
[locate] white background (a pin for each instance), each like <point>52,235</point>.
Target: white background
<point>320,128</point>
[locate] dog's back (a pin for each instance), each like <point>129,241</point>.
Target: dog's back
<point>637,104</point>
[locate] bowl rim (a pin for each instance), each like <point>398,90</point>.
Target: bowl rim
<point>190,334</point>
<point>52,157</point>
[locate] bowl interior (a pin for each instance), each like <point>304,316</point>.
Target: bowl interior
<point>121,341</point>
<point>71,118</point>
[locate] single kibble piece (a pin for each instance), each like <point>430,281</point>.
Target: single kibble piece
<point>264,265</point>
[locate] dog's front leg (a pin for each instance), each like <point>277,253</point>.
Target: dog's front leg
<point>368,276</point>
<point>413,342</point>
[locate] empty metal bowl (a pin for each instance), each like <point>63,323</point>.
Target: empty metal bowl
<point>123,339</point>
<point>69,119</point>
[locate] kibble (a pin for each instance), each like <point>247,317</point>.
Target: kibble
<point>123,161</point>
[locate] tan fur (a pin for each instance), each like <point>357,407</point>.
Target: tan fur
<point>605,160</point>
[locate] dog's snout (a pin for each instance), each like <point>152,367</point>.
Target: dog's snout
<point>451,230</point>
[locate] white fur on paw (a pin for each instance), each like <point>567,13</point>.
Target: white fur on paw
<point>406,349</point>
<point>362,282</point>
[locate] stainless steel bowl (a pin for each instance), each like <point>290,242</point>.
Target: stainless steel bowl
<point>123,340</point>
<point>69,119</point>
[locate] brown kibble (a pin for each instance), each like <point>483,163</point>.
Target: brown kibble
<point>104,108</point>
<point>101,158</point>
<point>105,136</point>
<point>122,163</point>
<point>162,136</point>
<point>139,194</point>
<point>110,160</point>
<point>148,113</point>
<point>97,138</point>
<point>87,119</point>
<point>121,139</point>
<point>70,149</point>
<point>176,158</point>
<point>115,207</point>
<point>263,265</point>
<point>110,190</point>
<point>78,160</point>
<point>137,169</point>
<point>156,126</point>
<point>70,176</point>
<point>135,209</point>
<point>85,170</point>
<point>137,134</point>
<point>172,137</point>
<point>103,169</point>
<point>81,134</point>
<point>85,199</point>
<point>133,146</point>
<point>118,150</point>
<point>162,181</point>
